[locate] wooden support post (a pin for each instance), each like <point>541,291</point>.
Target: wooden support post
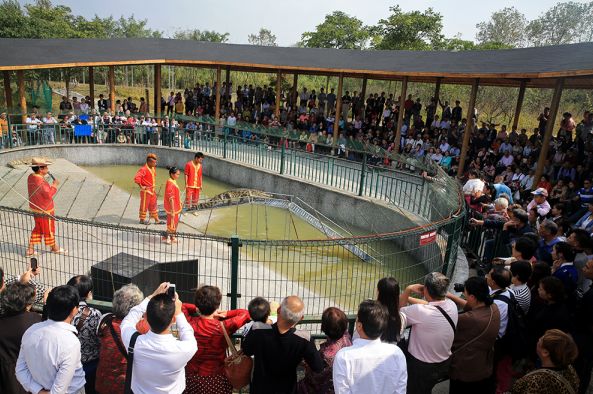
<point>543,154</point>
<point>218,87</point>
<point>278,87</point>
<point>20,77</point>
<point>112,88</point>
<point>157,90</point>
<point>519,104</point>
<point>295,91</point>
<point>336,133</point>
<point>400,114</point>
<point>469,127</point>
<point>92,87</point>
<point>228,92</point>
<point>437,90</point>
<point>7,91</point>
<point>363,92</point>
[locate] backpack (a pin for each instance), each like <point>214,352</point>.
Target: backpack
<point>516,338</point>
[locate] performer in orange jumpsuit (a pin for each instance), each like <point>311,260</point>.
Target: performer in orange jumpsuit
<point>172,202</point>
<point>146,179</point>
<point>41,202</point>
<point>193,181</point>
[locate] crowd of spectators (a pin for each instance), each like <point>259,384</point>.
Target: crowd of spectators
<point>523,324</point>
<point>518,330</point>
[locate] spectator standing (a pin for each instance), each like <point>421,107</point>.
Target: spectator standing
<point>521,272</point>
<point>334,324</point>
<point>86,322</point>
<point>477,330</point>
<point>49,359</point>
<point>554,313</point>
<point>17,299</point>
<point>583,332</point>
<point>370,365</point>
<point>205,371</point>
<point>539,202</point>
<point>111,370</point>
<point>26,278</point>
<point>557,351</point>
<point>279,349</point>
<point>432,323</point>
<point>159,358</point>
<point>499,279</point>
<point>563,268</point>
<point>548,231</point>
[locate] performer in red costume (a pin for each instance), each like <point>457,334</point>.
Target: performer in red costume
<point>172,202</point>
<point>146,179</point>
<point>193,181</point>
<point>41,202</point>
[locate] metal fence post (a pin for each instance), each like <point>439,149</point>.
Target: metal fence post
<point>362,174</point>
<point>235,244</point>
<point>453,231</point>
<point>282,152</point>
<point>450,229</point>
<point>224,136</point>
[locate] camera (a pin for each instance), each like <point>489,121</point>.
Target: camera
<point>171,290</point>
<point>459,287</point>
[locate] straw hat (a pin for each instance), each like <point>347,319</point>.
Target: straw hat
<point>39,162</point>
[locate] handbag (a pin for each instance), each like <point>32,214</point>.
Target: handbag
<point>237,366</point>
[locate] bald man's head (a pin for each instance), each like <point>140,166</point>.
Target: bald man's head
<point>292,310</point>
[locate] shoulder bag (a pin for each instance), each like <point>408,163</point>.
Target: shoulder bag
<point>237,366</point>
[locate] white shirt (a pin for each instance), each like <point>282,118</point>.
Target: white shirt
<point>503,308</point>
<point>473,185</point>
<point>432,335</point>
<point>159,360</point>
<point>370,366</point>
<point>50,359</point>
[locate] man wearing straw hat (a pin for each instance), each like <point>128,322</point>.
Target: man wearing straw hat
<point>146,179</point>
<point>41,202</point>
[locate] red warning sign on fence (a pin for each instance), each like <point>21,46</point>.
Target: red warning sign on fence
<point>428,238</point>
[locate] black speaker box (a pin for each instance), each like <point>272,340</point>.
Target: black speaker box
<point>111,274</point>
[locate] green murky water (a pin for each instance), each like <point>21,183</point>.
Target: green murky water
<point>328,269</point>
<point>249,221</point>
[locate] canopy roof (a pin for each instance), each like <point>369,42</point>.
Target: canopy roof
<point>538,67</point>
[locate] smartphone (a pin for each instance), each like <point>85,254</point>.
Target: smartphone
<point>171,290</point>
<point>33,264</point>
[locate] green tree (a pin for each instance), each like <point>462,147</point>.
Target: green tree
<point>338,30</point>
<point>13,20</point>
<point>201,35</point>
<point>263,38</point>
<point>130,27</point>
<point>506,26</point>
<point>564,23</point>
<point>413,30</point>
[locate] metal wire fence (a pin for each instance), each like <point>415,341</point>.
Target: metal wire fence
<point>322,272</point>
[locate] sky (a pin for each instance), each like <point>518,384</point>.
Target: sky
<point>289,19</point>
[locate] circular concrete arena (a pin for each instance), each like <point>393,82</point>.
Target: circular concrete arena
<point>271,235</point>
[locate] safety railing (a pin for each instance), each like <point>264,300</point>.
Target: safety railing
<point>324,272</point>
<point>376,174</point>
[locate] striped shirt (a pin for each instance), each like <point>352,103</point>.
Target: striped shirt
<point>522,295</point>
<point>586,195</point>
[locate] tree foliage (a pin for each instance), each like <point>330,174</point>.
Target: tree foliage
<point>414,30</point>
<point>201,35</point>
<point>338,30</point>
<point>564,23</point>
<point>263,38</point>
<point>506,27</point>
<point>42,19</point>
